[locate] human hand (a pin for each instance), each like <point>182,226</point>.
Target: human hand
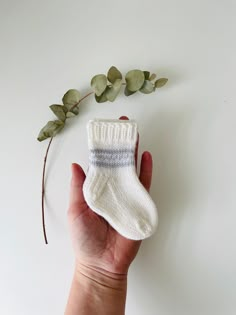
<point>96,244</point>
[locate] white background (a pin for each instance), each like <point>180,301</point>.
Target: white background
<point>189,265</point>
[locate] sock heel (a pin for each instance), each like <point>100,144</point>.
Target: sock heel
<point>97,186</point>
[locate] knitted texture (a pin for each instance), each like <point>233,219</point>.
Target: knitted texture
<point>112,188</point>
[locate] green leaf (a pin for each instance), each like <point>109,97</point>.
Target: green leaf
<point>58,111</point>
<point>75,110</point>
<point>147,88</point>
<point>72,110</point>
<point>71,98</point>
<point>102,98</point>
<point>113,91</point>
<point>64,109</point>
<point>113,74</point>
<point>160,82</point>
<point>99,83</point>
<point>70,115</point>
<point>146,74</point>
<point>153,77</point>
<point>128,92</point>
<point>134,80</point>
<point>50,129</point>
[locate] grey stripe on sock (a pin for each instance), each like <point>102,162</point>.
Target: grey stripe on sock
<point>111,151</point>
<point>111,158</point>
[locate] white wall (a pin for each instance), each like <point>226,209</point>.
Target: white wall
<point>189,265</point>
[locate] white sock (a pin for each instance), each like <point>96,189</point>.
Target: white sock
<point>112,188</point>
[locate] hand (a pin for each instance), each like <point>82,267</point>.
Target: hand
<point>97,245</point>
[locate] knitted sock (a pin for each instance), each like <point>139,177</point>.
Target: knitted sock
<point>112,188</point>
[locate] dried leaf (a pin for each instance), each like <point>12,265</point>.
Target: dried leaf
<point>128,92</point>
<point>102,98</point>
<point>147,88</point>
<point>134,80</point>
<point>113,91</point>
<point>50,129</point>
<point>74,111</point>
<point>99,83</point>
<point>114,74</point>
<point>146,74</point>
<point>152,77</point>
<point>64,109</point>
<point>58,111</point>
<point>70,115</point>
<point>160,82</point>
<point>71,98</point>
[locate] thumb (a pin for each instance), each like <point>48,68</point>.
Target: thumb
<point>77,201</point>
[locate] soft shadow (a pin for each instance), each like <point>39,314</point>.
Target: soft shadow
<point>172,189</point>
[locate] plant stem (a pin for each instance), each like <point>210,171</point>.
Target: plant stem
<point>81,100</point>
<point>43,190</point>
<point>44,171</point>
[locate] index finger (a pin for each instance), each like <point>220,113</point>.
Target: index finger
<point>145,176</point>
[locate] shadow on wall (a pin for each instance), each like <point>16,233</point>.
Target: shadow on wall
<point>172,189</point>
<point>172,183</point>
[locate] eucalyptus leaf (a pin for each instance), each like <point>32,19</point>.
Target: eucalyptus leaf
<point>70,115</point>
<point>65,109</point>
<point>146,74</point>
<point>127,92</point>
<point>114,74</point>
<point>71,98</point>
<point>134,80</point>
<point>102,98</point>
<point>50,129</point>
<point>99,84</point>
<point>160,82</point>
<point>58,111</point>
<point>75,110</point>
<point>152,77</point>
<point>147,88</point>
<point>113,91</point>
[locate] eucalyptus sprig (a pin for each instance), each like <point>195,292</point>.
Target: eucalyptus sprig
<point>105,88</point>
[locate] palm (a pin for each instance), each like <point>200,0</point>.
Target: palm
<point>95,242</point>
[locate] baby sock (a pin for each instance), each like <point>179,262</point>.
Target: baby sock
<point>112,188</point>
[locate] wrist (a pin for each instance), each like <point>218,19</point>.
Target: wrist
<point>100,279</point>
<point>100,292</point>
<point>96,291</point>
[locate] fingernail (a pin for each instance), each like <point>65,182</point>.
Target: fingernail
<point>147,155</point>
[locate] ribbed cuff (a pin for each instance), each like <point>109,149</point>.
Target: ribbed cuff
<point>111,133</point>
